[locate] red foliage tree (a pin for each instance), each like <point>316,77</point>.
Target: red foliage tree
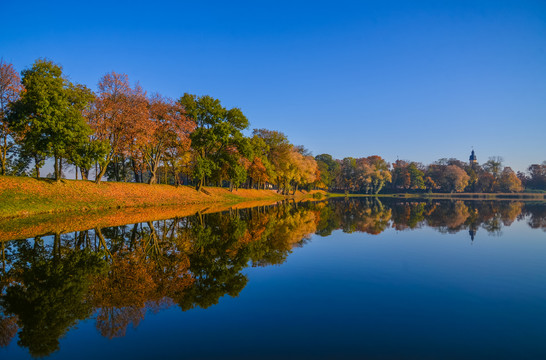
<point>119,116</point>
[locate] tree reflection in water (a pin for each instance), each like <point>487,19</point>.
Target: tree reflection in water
<point>117,274</point>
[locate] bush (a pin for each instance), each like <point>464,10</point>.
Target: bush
<point>317,195</point>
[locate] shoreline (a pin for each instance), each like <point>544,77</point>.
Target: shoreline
<point>455,196</point>
<point>46,224</point>
<point>24,196</point>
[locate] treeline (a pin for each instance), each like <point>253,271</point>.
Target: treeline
<point>120,133</point>
<point>372,174</point>
<point>123,134</point>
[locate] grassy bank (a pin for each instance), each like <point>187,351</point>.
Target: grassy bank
<point>24,227</point>
<point>20,196</point>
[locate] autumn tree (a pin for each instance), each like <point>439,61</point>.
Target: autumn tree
<point>486,182</point>
<point>119,117</point>
<point>8,329</point>
<point>376,174</point>
<point>278,155</point>
<point>304,168</point>
<point>508,181</point>
<point>448,178</point>
<point>167,129</point>
<point>10,87</point>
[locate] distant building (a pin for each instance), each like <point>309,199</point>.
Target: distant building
<point>473,159</point>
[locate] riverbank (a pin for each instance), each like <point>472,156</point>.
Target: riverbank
<point>23,196</point>
<point>24,227</point>
<point>456,196</point>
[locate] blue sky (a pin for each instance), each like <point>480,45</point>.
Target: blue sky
<point>418,80</point>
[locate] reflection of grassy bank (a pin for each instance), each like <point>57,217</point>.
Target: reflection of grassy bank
<point>41,224</point>
<point>27,196</point>
<point>458,196</point>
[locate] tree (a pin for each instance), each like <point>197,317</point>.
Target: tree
<point>49,114</point>
<point>260,170</point>
<point>494,166</point>
<point>416,177</point>
<point>119,117</point>
<point>401,178</point>
<point>486,182</point>
<point>85,154</point>
<point>10,87</point>
<point>380,174</point>
<point>328,168</point>
<point>457,178</point>
<point>216,129</point>
<point>168,128</point>
<point>537,176</point>
<point>305,168</point>
<point>448,178</point>
<point>508,181</point>
<point>278,150</point>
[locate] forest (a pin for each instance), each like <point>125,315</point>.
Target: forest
<point>121,133</point>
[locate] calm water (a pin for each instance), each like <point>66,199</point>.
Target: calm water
<point>357,278</point>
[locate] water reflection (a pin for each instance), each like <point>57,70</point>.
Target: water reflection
<point>116,275</point>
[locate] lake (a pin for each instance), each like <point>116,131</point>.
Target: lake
<point>345,278</point>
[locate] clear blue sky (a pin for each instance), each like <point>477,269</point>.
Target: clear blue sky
<point>418,80</point>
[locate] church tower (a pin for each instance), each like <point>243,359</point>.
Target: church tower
<point>473,159</point>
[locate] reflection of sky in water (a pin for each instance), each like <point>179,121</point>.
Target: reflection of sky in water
<point>400,294</point>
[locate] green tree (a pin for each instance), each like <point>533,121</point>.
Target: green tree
<point>217,129</point>
<point>537,176</point>
<point>416,177</point>
<point>49,294</point>
<point>49,113</point>
<point>494,166</point>
<point>328,168</point>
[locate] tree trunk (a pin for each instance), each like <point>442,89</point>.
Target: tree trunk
<point>199,184</point>
<point>116,169</point>
<point>135,171</point>
<point>124,169</point>
<point>37,167</point>
<point>101,174</point>
<point>152,179</point>
<point>4,155</point>
<point>56,169</point>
